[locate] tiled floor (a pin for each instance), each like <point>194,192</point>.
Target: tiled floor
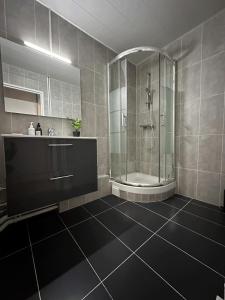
<point>112,249</point>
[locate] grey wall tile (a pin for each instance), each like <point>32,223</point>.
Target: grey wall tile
<point>20,123</point>
<point>189,117</point>
<point>102,144</point>
<point>42,25</point>
<point>55,32</point>
<point>187,182</point>
<point>213,35</point>
<point>174,50</point>
<point>88,119</point>
<point>100,89</point>
<point>210,148</point>
<point>191,47</point>
<point>223,155</point>
<point>191,82</point>
<point>68,40</point>
<point>20,20</point>
<point>208,188</point>
<point>85,50</point>
<point>213,75</point>
<point>2,18</point>
<point>87,85</point>
<point>188,152</point>
<point>211,115</point>
<point>101,121</point>
<point>100,58</point>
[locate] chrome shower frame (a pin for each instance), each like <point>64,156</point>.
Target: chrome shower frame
<point>120,56</point>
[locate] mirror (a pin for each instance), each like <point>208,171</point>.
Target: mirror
<point>35,83</point>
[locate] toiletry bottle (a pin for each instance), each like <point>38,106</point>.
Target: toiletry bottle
<point>31,130</point>
<point>38,129</point>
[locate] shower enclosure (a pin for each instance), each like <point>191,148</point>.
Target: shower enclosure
<point>142,118</point>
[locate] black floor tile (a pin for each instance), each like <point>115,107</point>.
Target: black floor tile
<point>184,198</point>
<point>212,215</point>
<point>208,229</point>
<point>44,225</point>
<point>112,200</point>
<point>17,277</point>
<point>103,250</point>
<point>161,209</point>
<point>143,216</point>
<point>203,249</point>
<point>176,202</point>
<point>74,216</point>
<point>185,274</point>
<point>98,294</point>
<point>132,234</point>
<point>63,272</point>
<point>134,280</point>
<point>96,206</point>
<point>206,205</point>
<point>13,238</point>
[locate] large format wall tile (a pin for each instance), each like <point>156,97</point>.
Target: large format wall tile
<point>191,47</point>
<point>2,18</point>
<point>211,115</point>
<point>208,188</point>
<point>213,35</point>
<point>68,36</point>
<point>213,75</point>
<point>187,182</point>
<point>188,152</point>
<point>42,25</point>
<point>86,50</point>
<point>189,117</point>
<point>100,58</point>
<point>191,82</point>
<point>20,19</point>
<point>210,148</point>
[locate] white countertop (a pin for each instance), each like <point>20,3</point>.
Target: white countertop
<point>14,135</point>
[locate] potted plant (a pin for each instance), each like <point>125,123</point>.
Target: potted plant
<point>76,124</point>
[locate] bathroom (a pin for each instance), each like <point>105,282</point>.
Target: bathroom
<point>112,149</point>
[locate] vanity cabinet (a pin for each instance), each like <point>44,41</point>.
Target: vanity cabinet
<point>42,171</point>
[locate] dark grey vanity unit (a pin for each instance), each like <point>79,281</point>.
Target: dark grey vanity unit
<point>41,171</point>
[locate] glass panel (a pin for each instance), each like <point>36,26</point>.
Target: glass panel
<point>147,136</point>
<point>117,120</point>
<point>167,109</point>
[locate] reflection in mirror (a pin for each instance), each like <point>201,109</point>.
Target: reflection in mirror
<point>38,84</point>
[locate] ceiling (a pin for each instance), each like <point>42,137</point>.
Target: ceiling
<point>123,24</point>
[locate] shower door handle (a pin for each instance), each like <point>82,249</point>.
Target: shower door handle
<point>124,120</point>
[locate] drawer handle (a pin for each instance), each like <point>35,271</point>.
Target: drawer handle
<point>59,145</point>
<point>61,177</point>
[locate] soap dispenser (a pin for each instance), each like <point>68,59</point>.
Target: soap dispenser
<point>31,130</point>
<point>38,129</point>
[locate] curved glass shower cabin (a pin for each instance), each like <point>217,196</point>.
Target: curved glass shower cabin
<point>142,118</point>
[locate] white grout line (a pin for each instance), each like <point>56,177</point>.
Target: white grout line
<point>12,253</point>
<point>209,208</point>
<point>134,253</point>
<point>201,262</point>
<point>218,243</point>
<point>35,271</point>
<point>86,257</point>
<point>172,243</point>
<point>203,218</point>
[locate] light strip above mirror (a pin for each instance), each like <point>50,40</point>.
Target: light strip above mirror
<point>52,54</point>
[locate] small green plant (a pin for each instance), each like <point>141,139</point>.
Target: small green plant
<point>76,124</point>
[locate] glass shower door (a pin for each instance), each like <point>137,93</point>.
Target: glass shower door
<point>167,120</point>
<point>117,77</point>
